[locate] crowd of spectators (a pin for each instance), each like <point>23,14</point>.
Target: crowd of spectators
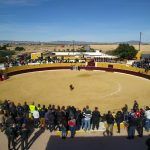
<point>26,60</point>
<point>20,61</point>
<point>144,63</point>
<point>19,120</point>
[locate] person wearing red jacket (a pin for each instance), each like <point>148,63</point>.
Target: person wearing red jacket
<point>72,126</point>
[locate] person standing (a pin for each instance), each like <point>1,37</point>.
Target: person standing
<point>72,126</point>
<point>2,120</point>
<point>135,106</point>
<point>32,107</point>
<point>36,116</point>
<point>11,133</point>
<point>63,129</point>
<point>118,119</point>
<point>147,116</point>
<point>26,108</point>
<point>78,117</point>
<point>87,118</point>
<point>42,113</point>
<point>95,118</point>
<point>110,123</point>
<point>51,121</point>
<point>131,125</point>
<point>24,133</point>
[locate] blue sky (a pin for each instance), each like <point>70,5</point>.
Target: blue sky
<point>81,20</point>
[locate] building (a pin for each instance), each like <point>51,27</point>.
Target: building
<point>90,55</point>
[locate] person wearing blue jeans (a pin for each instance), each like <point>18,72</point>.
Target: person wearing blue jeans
<point>132,123</point>
<point>147,125</point>
<point>72,130</point>
<point>131,132</point>
<point>147,116</point>
<point>87,118</point>
<point>87,124</point>
<point>72,126</point>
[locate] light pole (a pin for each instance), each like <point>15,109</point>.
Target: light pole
<point>140,41</point>
<point>73,44</point>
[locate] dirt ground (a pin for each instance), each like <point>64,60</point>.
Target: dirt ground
<point>103,47</point>
<point>94,88</point>
<point>93,140</point>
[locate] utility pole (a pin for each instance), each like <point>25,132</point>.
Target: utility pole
<point>140,41</point>
<point>73,45</point>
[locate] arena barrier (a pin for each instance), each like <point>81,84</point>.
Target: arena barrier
<point>110,67</point>
<point>39,67</point>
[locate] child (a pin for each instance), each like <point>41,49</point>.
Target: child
<point>63,131</point>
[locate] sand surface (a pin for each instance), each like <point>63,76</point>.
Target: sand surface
<point>94,88</point>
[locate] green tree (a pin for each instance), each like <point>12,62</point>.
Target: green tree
<point>2,59</point>
<point>82,49</point>
<point>4,53</point>
<point>125,51</point>
<point>19,49</point>
<point>92,50</point>
<point>76,60</point>
<point>4,47</point>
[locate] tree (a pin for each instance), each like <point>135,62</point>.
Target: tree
<point>92,50</point>
<point>125,51</point>
<point>76,60</point>
<point>2,59</point>
<point>4,53</point>
<point>19,49</point>
<point>4,47</point>
<point>82,49</point>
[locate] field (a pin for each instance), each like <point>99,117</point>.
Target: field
<point>104,48</point>
<point>94,88</point>
<point>145,48</point>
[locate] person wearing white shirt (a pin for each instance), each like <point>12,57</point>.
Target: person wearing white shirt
<point>36,116</point>
<point>147,116</point>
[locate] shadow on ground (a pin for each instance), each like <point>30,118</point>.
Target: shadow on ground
<point>35,137</point>
<point>96,143</point>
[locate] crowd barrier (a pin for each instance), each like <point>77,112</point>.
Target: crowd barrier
<point>110,67</point>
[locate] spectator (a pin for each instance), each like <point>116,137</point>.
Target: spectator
<point>95,118</point>
<point>87,120</point>
<point>139,122</point>
<point>26,108</point>
<point>32,107</point>
<point>110,124</point>
<point>13,110</point>
<point>83,118</point>
<point>20,110</point>
<point>11,133</point>
<point>131,125</point>
<point>135,106</point>
<point>42,113</point>
<point>2,120</point>
<point>147,116</point>
<point>72,126</point>
<point>63,131</point>
<point>78,119</point>
<point>36,117</point>
<point>148,143</point>
<point>51,120</point>
<point>39,107</point>
<point>24,133</point>
<point>118,119</point>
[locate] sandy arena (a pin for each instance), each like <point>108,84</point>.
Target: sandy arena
<point>94,88</point>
